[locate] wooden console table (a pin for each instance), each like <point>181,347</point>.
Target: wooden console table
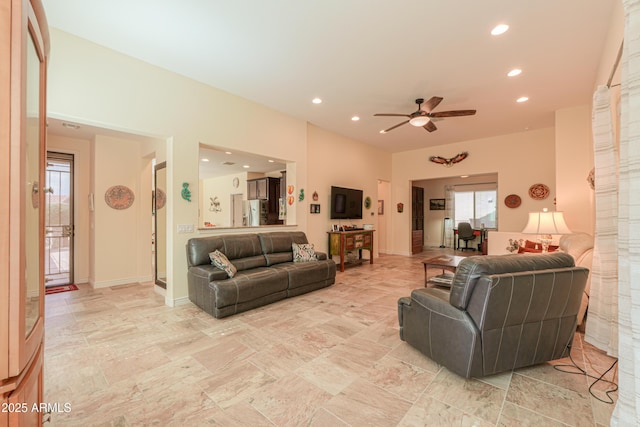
<point>341,242</point>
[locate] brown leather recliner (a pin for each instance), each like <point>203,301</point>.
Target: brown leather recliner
<point>503,312</point>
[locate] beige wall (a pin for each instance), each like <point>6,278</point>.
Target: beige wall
<point>520,159</point>
<point>335,160</point>
<point>81,185</point>
<point>122,237</point>
<point>93,85</point>
<point>574,160</point>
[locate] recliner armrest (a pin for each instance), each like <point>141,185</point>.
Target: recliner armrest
<point>437,300</point>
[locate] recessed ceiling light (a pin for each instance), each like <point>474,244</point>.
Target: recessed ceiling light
<point>499,29</point>
<point>316,101</point>
<point>464,176</point>
<point>383,131</point>
<point>522,99</point>
<point>245,166</point>
<point>355,118</point>
<point>204,160</point>
<point>271,161</point>
<point>514,72</point>
<point>228,152</point>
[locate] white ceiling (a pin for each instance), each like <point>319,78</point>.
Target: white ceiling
<point>367,56</point>
<point>221,162</point>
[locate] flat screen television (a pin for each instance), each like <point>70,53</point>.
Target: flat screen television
<point>346,203</point>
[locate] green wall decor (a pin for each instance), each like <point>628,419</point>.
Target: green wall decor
<point>186,193</point>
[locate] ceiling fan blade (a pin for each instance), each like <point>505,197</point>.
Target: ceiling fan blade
<point>456,113</point>
<point>392,115</point>
<point>432,103</point>
<point>398,125</point>
<point>430,126</point>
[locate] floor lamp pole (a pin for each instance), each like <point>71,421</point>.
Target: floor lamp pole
<point>444,225</point>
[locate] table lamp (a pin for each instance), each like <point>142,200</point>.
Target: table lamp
<point>545,224</point>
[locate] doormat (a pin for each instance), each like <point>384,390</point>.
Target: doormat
<point>58,289</point>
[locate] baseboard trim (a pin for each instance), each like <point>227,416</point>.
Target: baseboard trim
<point>177,302</point>
<point>399,253</point>
<point>118,282</point>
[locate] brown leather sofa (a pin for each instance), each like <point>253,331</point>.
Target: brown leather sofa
<point>503,312</point>
<point>266,271</point>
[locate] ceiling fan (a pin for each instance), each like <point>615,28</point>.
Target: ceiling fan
<point>422,117</point>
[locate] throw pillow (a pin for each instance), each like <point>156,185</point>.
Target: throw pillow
<point>532,245</point>
<point>303,252</point>
<point>222,262</point>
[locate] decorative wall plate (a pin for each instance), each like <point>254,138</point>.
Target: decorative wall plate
<point>367,202</point>
<point>512,201</point>
<point>119,197</point>
<point>538,191</point>
<point>161,199</point>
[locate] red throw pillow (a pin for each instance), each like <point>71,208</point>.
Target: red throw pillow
<point>553,248</point>
<point>532,245</point>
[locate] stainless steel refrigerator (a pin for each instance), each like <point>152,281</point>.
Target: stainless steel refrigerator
<point>255,213</point>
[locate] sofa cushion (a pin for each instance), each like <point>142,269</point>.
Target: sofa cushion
<point>301,274</point>
<point>220,260</point>
<point>233,246</point>
<point>276,246</point>
<point>303,252</point>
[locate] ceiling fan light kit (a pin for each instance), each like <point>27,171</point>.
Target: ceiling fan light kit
<point>419,121</point>
<point>422,116</point>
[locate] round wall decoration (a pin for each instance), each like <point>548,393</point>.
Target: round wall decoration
<point>538,191</point>
<point>119,197</point>
<point>161,199</point>
<point>512,201</point>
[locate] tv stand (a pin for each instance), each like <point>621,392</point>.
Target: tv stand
<point>341,242</point>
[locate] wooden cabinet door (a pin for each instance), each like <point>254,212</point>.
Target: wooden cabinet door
<point>252,190</point>
<point>4,416</point>
<point>24,48</point>
<point>25,400</point>
<point>417,219</point>
<point>261,191</point>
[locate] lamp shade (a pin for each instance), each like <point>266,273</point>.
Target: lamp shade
<point>546,223</point>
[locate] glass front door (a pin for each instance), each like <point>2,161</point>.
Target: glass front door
<point>58,257</point>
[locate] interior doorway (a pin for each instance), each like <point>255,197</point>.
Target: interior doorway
<point>237,210</point>
<point>59,227</point>
<point>417,220</point>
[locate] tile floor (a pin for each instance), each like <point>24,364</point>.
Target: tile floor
<point>332,357</point>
